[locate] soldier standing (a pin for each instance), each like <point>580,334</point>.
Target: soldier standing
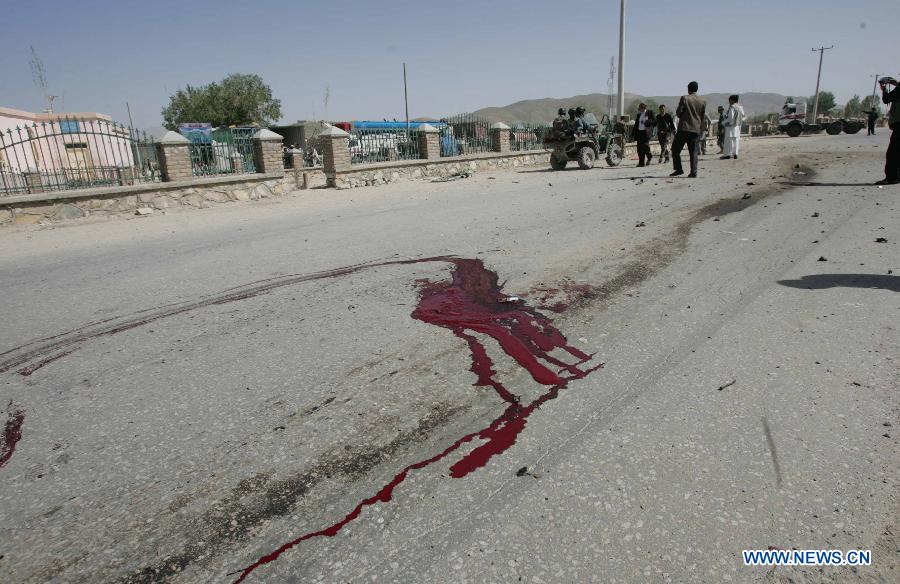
<point>871,118</point>
<point>665,127</point>
<point>720,130</point>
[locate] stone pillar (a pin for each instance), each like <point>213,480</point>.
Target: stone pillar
<point>33,181</point>
<point>126,175</point>
<point>174,157</point>
<point>429,142</point>
<point>500,137</point>
<point>335,146</point>
<point>267,148</point>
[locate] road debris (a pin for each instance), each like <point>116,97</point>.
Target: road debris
<point>745,197</point>
<point>641,224</point>
<point>822,259</point>
<point>144,211</point>
<point>455,176</point>
<point>816,214</point>
<point>881,240</point>
<point>729,384</point>
<point>510,299</point>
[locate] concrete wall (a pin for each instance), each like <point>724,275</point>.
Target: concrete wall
<point>150,198</point>
<point>388,172</point>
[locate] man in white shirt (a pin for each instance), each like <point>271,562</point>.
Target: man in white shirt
<point>734,117</point>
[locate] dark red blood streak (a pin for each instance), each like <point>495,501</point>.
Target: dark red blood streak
<point>12,432</point>
<point>26,371</point>
<point>472,303</point>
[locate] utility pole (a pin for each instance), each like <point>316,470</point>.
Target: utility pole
<point>815,111</point>
<point>406,101</point>
<point>609,86</point>
<point>132,134</point>
<point>621,101</point>
<point>875,104</point>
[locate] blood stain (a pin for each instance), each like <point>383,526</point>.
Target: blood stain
<point>471,303</point>
<point>12,432</point>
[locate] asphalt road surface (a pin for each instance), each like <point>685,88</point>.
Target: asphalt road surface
<point>534,376</point>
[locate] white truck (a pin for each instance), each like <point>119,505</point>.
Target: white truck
<point>792,122</point>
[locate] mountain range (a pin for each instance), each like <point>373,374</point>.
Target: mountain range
<point>537,111</point>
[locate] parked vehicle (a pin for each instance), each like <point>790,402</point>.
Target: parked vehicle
<point>601,139</point>
<point>792,122</point>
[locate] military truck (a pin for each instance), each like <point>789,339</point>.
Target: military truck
<point>601,139</point>
<point>792,122</point>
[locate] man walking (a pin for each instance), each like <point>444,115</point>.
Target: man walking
<point>892,163</point>
<point>641,134</point>
<point>665,127</point>
<point>704,133</point>
<point>872,117</point>
<point>734,117</point>
<point>720,130</point>
<point>691,111</point>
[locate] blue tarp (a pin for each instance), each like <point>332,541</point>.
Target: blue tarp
<point>393,125</point>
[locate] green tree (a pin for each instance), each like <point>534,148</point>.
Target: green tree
<point>869,102</point>
<point>826,102</point>
<point>239,99</point>
<point>632,108</point>
<point>853,107</point>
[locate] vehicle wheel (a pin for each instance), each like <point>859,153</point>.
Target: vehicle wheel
<point>852,128</point>
<point>614,154</point>
<point>834,128</point>
<point>794,130</point>
<point>586,158</point>
<point>558,162</point>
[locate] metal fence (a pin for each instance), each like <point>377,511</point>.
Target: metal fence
<point>71,153</point>
<point>369,145</point>
<point>527,137</point>
<point>465,134</point>
<point>308,157</point>
<point>224,151</point>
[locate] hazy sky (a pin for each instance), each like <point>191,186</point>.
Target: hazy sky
<point>461,54</point>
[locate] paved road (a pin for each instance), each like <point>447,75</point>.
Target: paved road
<point>340,388</point>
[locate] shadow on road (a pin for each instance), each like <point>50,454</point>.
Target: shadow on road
<point>548,169</point>
<point>826,184</point>
<point>822,281</point>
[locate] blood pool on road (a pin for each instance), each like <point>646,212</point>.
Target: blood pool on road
<point>473,302</point>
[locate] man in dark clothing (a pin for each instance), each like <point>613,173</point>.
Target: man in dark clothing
<point>581,126</point>
<point>720,130</point>
<point>643,125</point>
<point>665,127</point>
<point>872,117</point>
<point>559,124</point>
<point>691,112</point>
<point>892,163</point>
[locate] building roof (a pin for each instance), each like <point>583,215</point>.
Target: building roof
<point>45,117</point>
